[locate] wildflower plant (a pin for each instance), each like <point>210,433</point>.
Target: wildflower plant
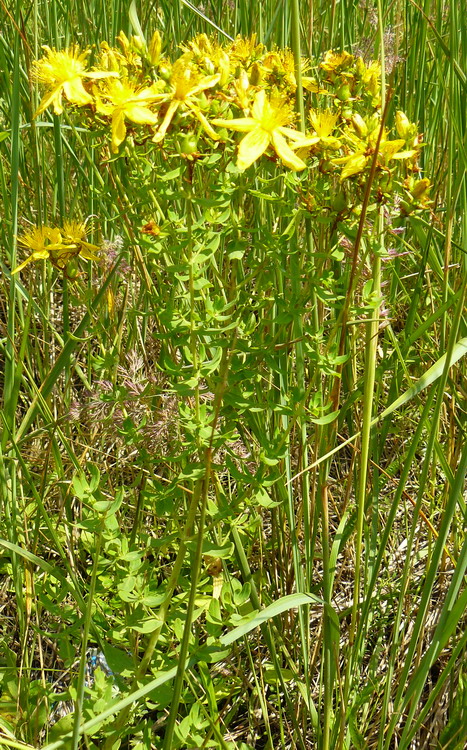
<point>253,255</point>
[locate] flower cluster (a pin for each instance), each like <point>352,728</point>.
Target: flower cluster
<point>212,89</point>
<point>196,104</point>
<point>61,246</point>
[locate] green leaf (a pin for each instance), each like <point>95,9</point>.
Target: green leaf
<point>273,610</point>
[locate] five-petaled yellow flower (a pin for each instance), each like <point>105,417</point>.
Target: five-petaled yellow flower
<point>63,73</point>
<point>57,245</point>
<point>266,127</point>
<point>362,153</point>
<point>126,101</point>
<point>323,124</point>
<point>185,84</point>
<point>42,241</point>
<point>74,236</point>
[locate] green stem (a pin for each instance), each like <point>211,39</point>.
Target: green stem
<point>201,499</point>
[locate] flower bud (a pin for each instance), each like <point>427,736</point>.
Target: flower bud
<point>138,43</point>
<point>224,69</point>
<point>403,126</point>
<point>385,182</point>
<point>339,201</point>
<point>208,66</point>
<point>255,75</point>
<point>72,268</point>
<point>124,41</point>
<point>421,189</point>
<point>203,101</point>
<point>154,49</point>
<point>360,125</point>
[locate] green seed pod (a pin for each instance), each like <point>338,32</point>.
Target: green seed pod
<point>343,92</point>
<point>189,144</point>
<point>339,202</point>
<point>72,268</point>
<point>255,75</point>
<point>326,166</point>
<point>165,71</point>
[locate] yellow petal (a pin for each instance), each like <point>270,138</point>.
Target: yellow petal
<point>390,147</point>
<point>102,108</point>
<point>98,74</point>
<point>36,255</point>
<point>288,157</point>
<point>118,130</point>
<point>22,265</point>
<point>252,146</point>
<point>204,122</point>
<point>421,188</point>
<point>85,253</point>
<point>330,142</point>
<point>75,92</point>
<point>404,154</point>
<point>172,108</point>
<point>242,124</point>
<point>258,105</point>
<point>54,97</point>
<point>354,165</point>
<point>294,135</point>
<point>88,247</point>
<point>141,115</point>
<point>311,85</point>
<point>206,83</point>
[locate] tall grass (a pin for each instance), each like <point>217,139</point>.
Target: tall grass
<point>304,586</point>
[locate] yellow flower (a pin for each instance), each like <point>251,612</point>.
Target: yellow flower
<point>336,61</point>
<point>57,245</point>
<point>185,84</point>
<point>370,76</point>
<point>126,101</point>
<point>421,191</point>
<point>323,124</point>
<point>281,65</point>
<point>266,127</point>
<point>311,84</point>
<point>362,153</point>
<point>245,50</point>
<point>209,56</point>
<point>42,241</point>
<point>74,234</point>
<point>111,59</point>
<point>63,73</point>
<point>132,49</point>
